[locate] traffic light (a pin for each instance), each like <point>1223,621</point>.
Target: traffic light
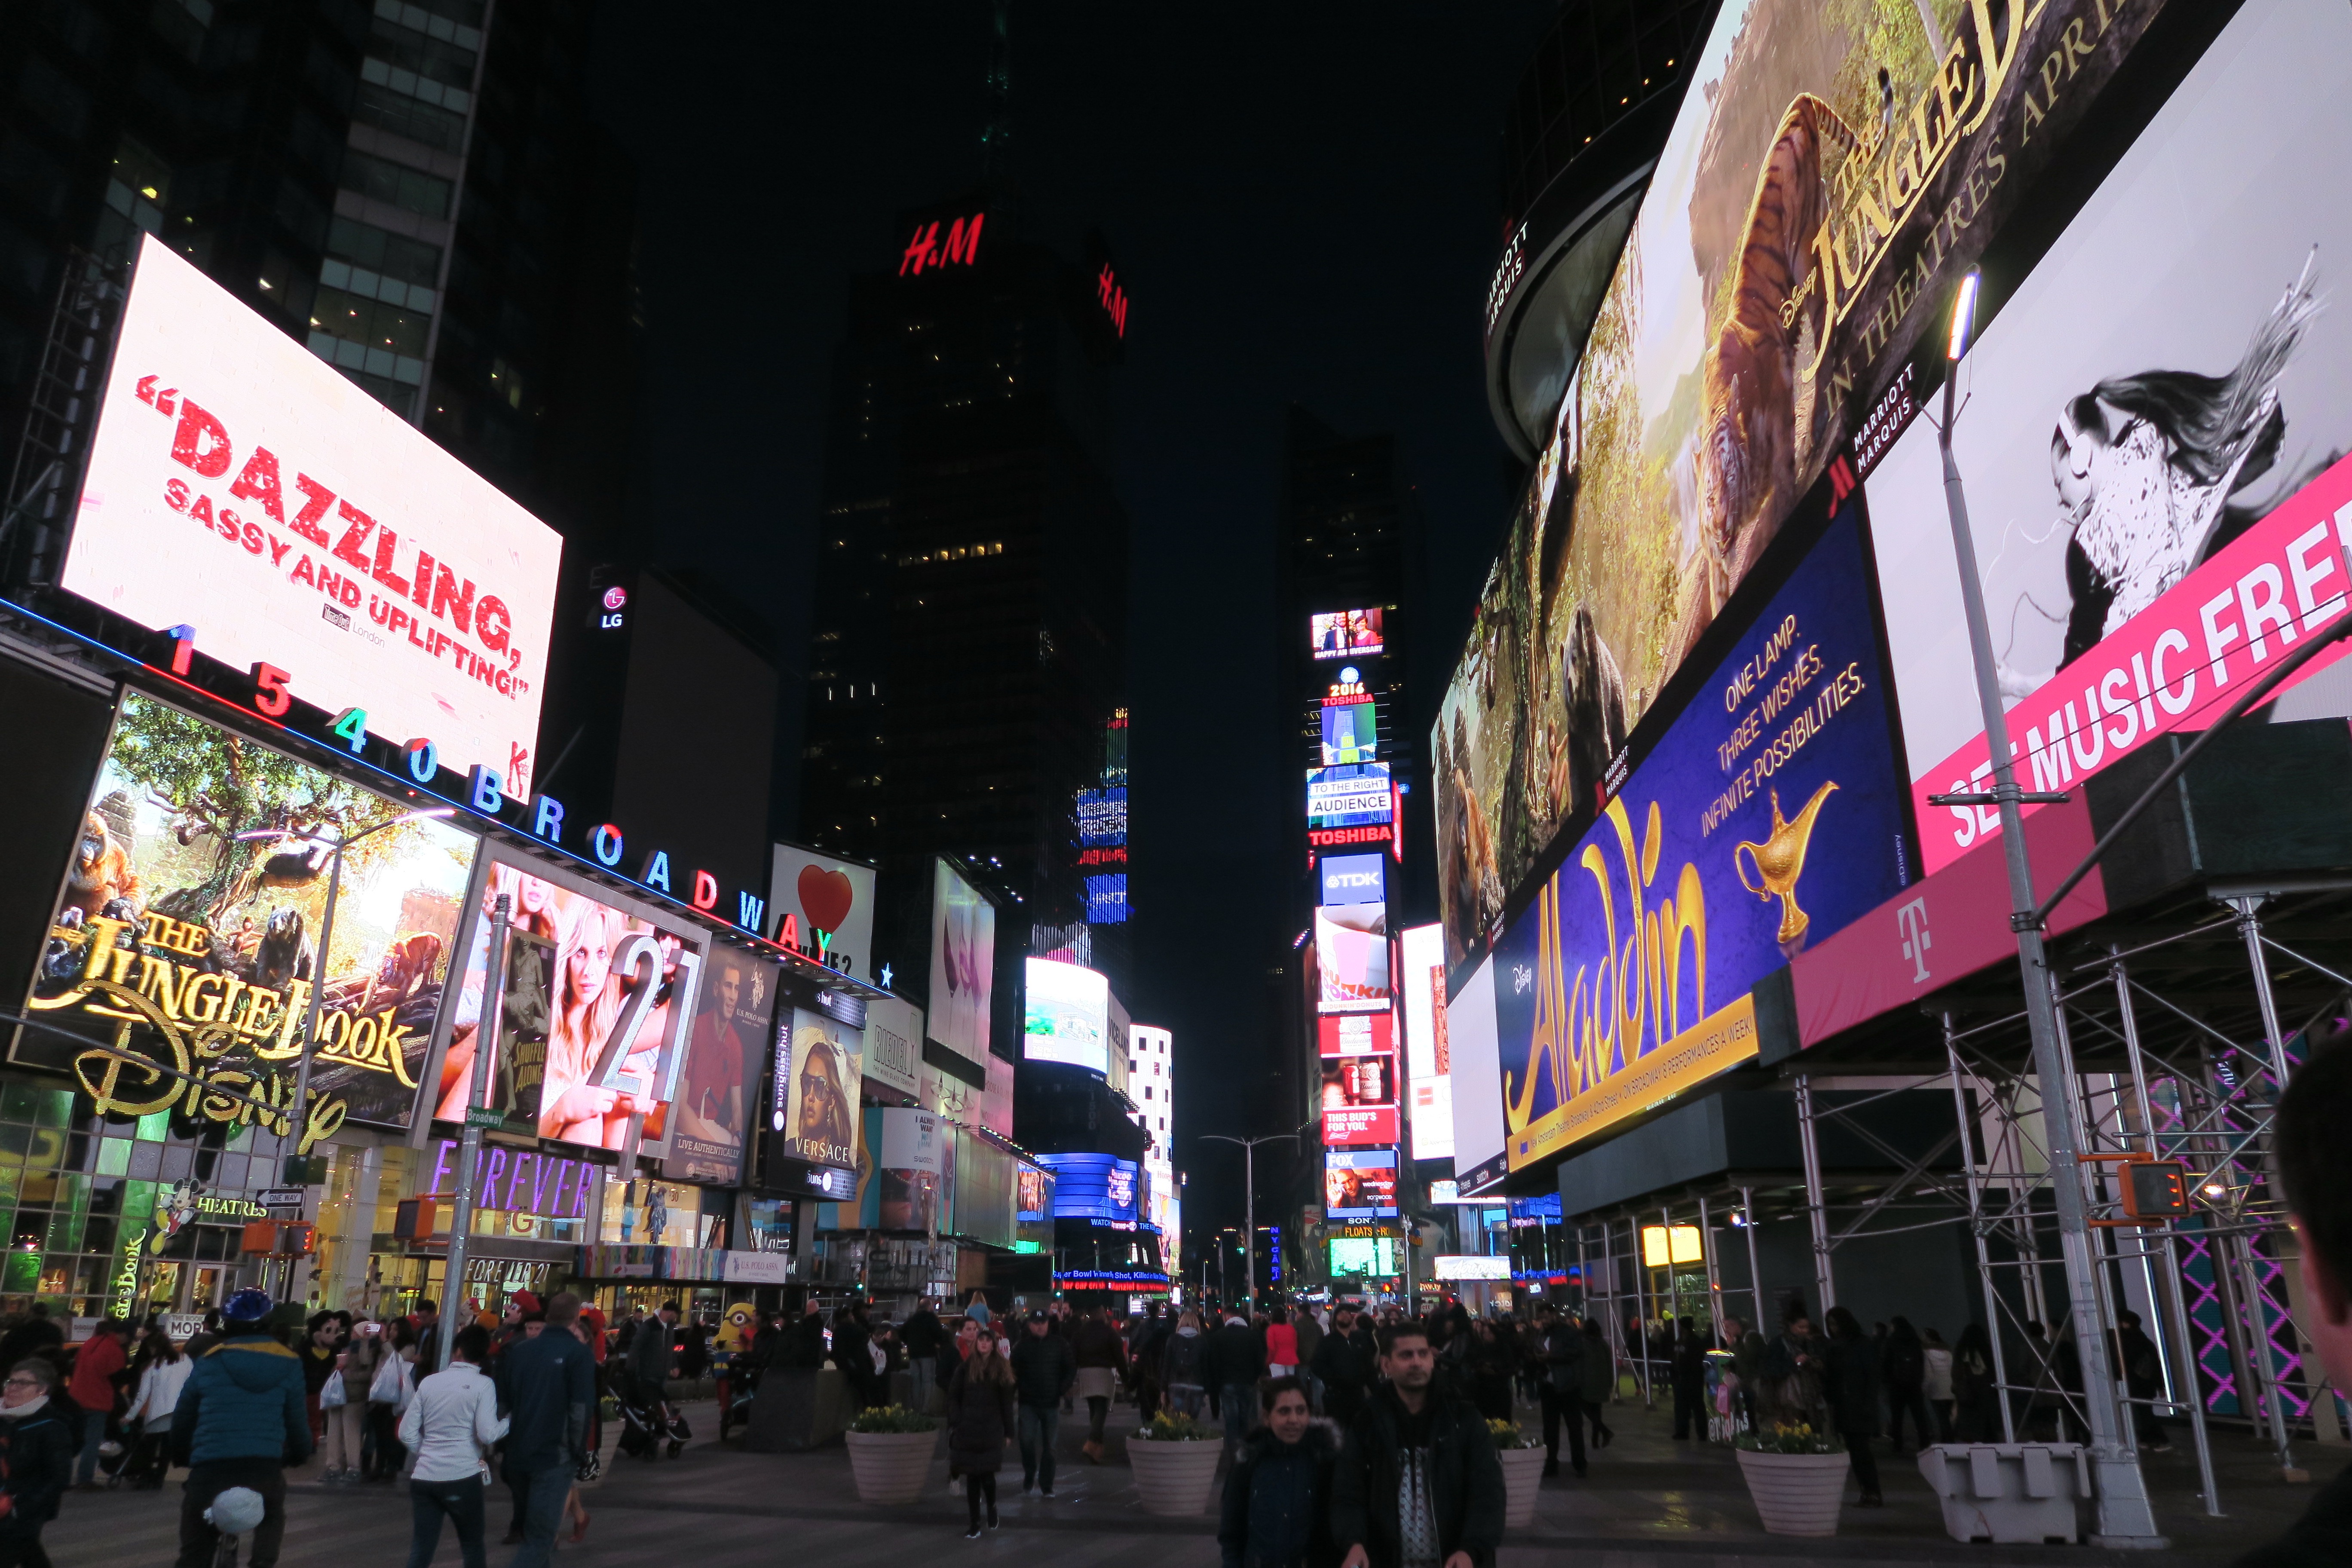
<point>2156,1190</point>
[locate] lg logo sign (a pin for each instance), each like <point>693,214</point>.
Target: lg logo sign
<point>1911,919</point>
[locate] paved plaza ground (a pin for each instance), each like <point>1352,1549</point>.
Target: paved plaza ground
<point>1648,1501</point>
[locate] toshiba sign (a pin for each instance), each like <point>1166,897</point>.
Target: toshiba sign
<point>241,486</point>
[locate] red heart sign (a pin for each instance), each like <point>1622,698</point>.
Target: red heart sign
<point>825,897</point>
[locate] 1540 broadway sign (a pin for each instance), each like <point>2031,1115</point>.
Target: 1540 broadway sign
<point>1767,817</point>
<point>182,943</point>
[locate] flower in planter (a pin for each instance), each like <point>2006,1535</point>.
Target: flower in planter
<point>880,1418</point>
<point>1783,1438</point>
<point>1167,1428</point>
<point>1508,1435</point>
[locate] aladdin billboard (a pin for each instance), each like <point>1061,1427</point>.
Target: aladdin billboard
<point>1769,816</point>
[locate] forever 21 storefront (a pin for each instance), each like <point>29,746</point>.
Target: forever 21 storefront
<point>273,704</point>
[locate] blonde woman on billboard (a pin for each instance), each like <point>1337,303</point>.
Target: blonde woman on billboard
<point>587,1000</point>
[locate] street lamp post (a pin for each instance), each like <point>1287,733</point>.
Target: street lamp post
<point>470,1147</point>
<point>1249,1204</point>
<point>2125,1518</point>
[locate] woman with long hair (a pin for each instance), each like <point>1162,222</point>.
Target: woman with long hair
<point>162,1370</point>
<point>980,1420</point>
<point>1976,1411</point>
<point>588,997</point>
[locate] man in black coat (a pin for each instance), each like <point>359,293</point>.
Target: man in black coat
<point>1342,1367</point>
<point>1561,1388</point>
<point>1236,1361</point>
<point>925,1337</point>
<point>1044,1369</point>
<point>1418,1484</point>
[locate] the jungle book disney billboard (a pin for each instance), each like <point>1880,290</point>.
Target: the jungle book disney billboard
<point>179,941</point>
<point>1834,168</point>
<point>1770,814</point>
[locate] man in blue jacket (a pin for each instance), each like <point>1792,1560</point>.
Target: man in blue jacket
<point>547,1384</point>
<point>239,1423</point>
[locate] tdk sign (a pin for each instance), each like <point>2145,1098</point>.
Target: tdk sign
<point>1352,879</point>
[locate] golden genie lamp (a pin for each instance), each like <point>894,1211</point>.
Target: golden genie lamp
<point>1780,860</point>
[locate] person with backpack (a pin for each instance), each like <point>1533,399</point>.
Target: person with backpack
<point>242,1420</point>
<point>1903,1368</point>
<point>1184,1367</point>
<point>101,1360</point>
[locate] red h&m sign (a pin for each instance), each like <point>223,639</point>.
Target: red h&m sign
<point>925,250</point>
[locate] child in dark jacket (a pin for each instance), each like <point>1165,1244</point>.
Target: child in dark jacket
<point>1278,1500</point>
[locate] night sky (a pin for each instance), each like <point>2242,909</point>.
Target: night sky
<point>1303,202</point>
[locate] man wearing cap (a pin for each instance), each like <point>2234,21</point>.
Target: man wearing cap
<point>241,1421</point>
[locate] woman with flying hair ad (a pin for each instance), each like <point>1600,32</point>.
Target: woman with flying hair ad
<point>823,1129</point>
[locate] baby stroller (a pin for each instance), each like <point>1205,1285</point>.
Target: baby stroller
<point>648,1424</point>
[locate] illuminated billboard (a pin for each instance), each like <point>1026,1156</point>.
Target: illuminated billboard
<point>1094,1187</point>
<point>1066,1016</point>
<point>1468,1266</point>
<point>1478,1081</point>
<point>727,1047</point>
<point>240,485</point>
<point>1350,734</point>
<point>1428,1059</point>
<point>1351,957</point>
<point>1356,1034</point>
<point>823,1073</point>
<point>1352,879</point>
<point>1360,1184</point>
<point>1369,1257</point>
<point>1766,817</point>
<point>589,1032</point>
<point>1821,189</point>
<point>1102,816</point>
<point>1354,796</point>
<point>2146,446</point>
<point>963,962</point>
<point>1348,634</point>
<point>824,905</point>
<point>212,937</point>
<point>1358,1098</point>
<point>1106,898</point>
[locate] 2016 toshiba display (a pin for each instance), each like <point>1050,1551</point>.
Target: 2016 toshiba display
<point>241,486</point>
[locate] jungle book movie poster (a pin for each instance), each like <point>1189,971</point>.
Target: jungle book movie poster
<point>188,935</point>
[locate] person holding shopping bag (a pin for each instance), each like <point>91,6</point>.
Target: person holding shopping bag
<point>449,1426</point>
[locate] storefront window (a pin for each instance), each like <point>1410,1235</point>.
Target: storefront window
<point>659,1214</point>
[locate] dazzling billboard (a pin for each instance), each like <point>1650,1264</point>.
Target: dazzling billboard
<point>589,1027</point>
<point>2148,445</point>
<point>1352,879</point>
<point>240,485</point>
<point>726,1047</point>
<point>963,962</point>
<point>181,941</point>
<point>1351,734</point>
<point>1360,1184</point>
<point>1065,1015</point>
<point>1767,817</point>
<point>1479,1132</point>
<point>1356,1034</point>
<point>1351,957</point>
<point>1428,1060</point>
<point>894,1045</point>
<point>1348,634</point>
<point>829,902</point>
<point>1831,171</point>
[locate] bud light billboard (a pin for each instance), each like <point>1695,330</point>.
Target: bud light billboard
<point>1767,815</point>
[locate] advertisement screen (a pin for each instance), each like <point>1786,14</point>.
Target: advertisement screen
<point>1369,1257</point>
<point>1350,734</point>
<point>1093,1187</point>
<point>1033,1194</point>
<point>1066,1016</point>
<point>821,1109</point>
<point>1767,817</point>
<point>1356,1034</point>
<point>1826,184</point>
<point>913,1167</point>
<point>2148,447</point>
<point>1477,1085</point>
<point>830,902</point>
<point>718,1087</point>
<point>1352,954</point>
<point>1106,898</point>
<point>1353,879</point>
<point>1357,796</point>
<point>1358,1100</point>
<point>963,962</point>
<point>1102,816</point>
<point>1346,634</point>
<point>240,485</point>
<point>185,943</point>
<point>1470,1266</point>
<point>1360,1184</point>
<point>566,1002</point>
<point>1428,1055</point>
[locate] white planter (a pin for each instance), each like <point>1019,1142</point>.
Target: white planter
<point>1173,1479</point>
<point>890,1466</point>
<point>1796,1494</point>
<point>2009,1493</point>
<point>1522,1478</point>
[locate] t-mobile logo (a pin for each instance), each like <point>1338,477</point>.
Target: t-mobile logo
<point>1912,919</point>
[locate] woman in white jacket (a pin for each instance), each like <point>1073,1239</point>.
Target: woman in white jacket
<point>160,1380</point>
<point>449,1427</point>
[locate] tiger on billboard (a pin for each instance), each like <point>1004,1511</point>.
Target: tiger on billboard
<point>1836,165</point>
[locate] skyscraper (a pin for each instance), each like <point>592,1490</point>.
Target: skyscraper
<point>968,639</point>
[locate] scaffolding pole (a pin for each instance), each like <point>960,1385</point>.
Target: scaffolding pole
<point>1816,1206</point>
